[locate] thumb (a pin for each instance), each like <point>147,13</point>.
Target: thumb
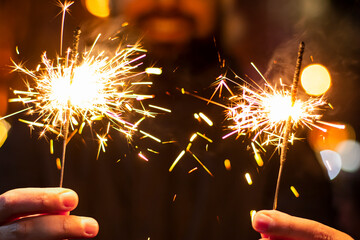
<point>276,224</point>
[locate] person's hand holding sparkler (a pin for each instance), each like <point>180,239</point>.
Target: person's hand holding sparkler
<point>42,214</point>
<point>276,225</point>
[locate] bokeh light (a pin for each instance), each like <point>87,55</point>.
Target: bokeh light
<point>350,155</point>
<point>315,79</point>
<point>329,140</point>
<point>332,162</point>
<point>98,8</point>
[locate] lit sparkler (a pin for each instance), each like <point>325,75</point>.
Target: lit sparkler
<point>64,94</point>
<point>270,114</point>
<point>67,93</point>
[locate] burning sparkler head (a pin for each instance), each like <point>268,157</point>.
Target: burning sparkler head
<point>262,112</point>
<point>96,87</point>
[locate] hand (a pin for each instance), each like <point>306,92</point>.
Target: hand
<point>42,214</point>
<point>275,225</point>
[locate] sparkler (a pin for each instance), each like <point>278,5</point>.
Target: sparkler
<point>67,93</point>
<point>269,114</point>
<point>288,121</point>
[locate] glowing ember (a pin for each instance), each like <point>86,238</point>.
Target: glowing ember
<point>248,179</point>
<point>227,164</point>
<point>294,191</point>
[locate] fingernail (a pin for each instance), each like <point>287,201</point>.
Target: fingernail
<point>91,227</point>
<point>68,199</point>
<point>262,222</point>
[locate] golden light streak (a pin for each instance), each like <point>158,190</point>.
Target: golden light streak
<point>294,191</point>
<point>143,156</point>
<point>177,160</point>
<point>142,83</point>
<point>150,136</point>
<point>154,71</point>
<point>17,50</point>
<point>152,151</point>
<point>51,146</point>
<point>203,136</point>
<point>174,198</point>
<point>193,137</point>
<point>64,9</point>
<point>196,116</point>
<point>192,170</point>
<point>160,108</point>
<point>206,119</point>
<point>248,178</point>
<point>81,127</point>
<point>257,156</point>
<point>188,146</point>
<point>198,160</point>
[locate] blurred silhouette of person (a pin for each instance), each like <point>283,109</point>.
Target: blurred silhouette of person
<point>133,199</point>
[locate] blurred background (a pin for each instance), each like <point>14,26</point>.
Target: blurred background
<point>265,32</point>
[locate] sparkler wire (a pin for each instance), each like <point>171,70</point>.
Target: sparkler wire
<point>74,56</point>
<point>287,129</point>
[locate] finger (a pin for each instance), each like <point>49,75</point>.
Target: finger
<point>279,225</point>
<point>50,227</point>
<point>27,201</point>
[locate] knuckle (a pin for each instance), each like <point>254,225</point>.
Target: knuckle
<point>41,200</point>
<point>322,233</point>
<point>66,225</point>
<point>6,201</point>
<point>322,236</point>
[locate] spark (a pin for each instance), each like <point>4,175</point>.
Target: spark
<point>143,156</point>
<point>188,146</point>
<point>51,146</point>
<point>58,163</point>
<point>227,164</point>
<point>192,170</point>
<point>154,71</point>
<point>248,179</point>
<point>177,160</point>
<point>193,137</point>
<point>198,160</point>
<point>64,9</point>
<point>206,119</point>
<point>196,116</point>
<point>205,137</point>
<point>152,151</point>
<point>294,191</point>
<point>160,108</point>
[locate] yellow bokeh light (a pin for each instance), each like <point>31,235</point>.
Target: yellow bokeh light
<point>315,79</point>
<point>99,8</point>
